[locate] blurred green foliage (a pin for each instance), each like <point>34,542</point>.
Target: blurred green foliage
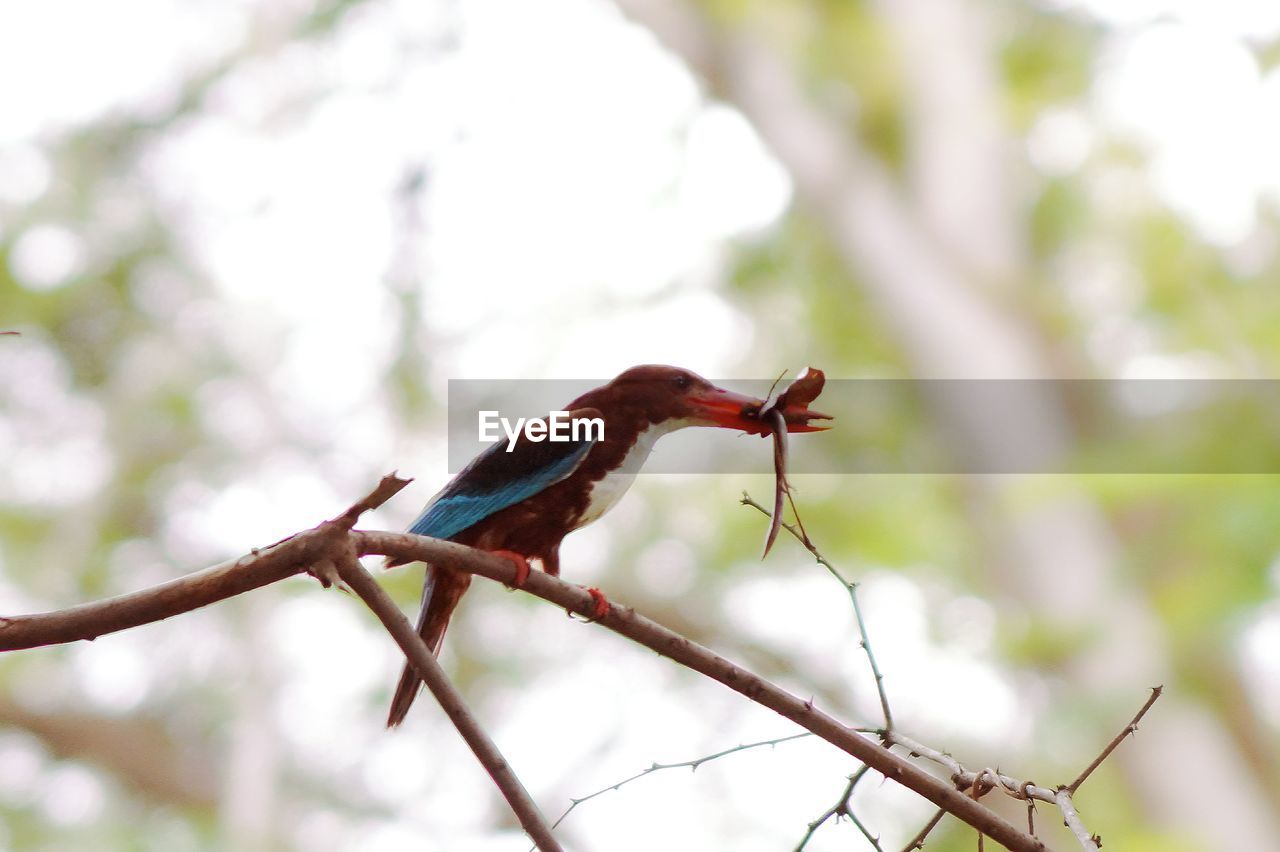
<point>127,343</point>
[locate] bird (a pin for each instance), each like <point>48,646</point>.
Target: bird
<point>520,499</point>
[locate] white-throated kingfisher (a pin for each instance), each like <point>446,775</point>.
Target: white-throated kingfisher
<point>523,502</point>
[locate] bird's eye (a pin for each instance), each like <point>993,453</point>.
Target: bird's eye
<point>682,382</point>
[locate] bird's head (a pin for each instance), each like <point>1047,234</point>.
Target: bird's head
<point>675,397</point>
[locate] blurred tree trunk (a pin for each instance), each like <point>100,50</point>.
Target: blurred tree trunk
<point>940,250</point>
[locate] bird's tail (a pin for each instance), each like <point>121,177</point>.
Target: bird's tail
<point>442,588</point>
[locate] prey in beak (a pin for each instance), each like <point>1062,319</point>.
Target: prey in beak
<point>748,414</point>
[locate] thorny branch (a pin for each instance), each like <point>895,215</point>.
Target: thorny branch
<point>327,551</point>
<point>917,842</point>
<point>293,555</point>
<point>691,764</point>
<point>851,588</point>
<point>842,808</point>
<point>982,782</point>
<point>331,549</point>
<point>332,540</point>
<point>1130,728</point>
<point>977,783</point>
<point>628,623</point>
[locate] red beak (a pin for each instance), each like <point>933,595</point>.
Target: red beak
<point>738,411</point>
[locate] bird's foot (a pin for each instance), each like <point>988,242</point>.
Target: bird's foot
<point>522,566</point>
<point>602,604</point>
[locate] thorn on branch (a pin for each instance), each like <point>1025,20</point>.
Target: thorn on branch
<point>843,808</point>
<point>1128,730</point>
<point>691,764</point>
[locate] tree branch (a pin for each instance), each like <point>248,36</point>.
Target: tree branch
<point>917,842</point>
<point>851,588</point>
<point>334,542</point>
<point>692,765</point>
<point>259,568</point>
<point>450,700</point>
<point>983,782</point>
<point>184,594</point>
<point>1130,728</point>
<point>842,807</point>
<point>627,622</point>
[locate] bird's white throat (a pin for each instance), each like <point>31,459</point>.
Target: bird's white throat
<point>607,491</point>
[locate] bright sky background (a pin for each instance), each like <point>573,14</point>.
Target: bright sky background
<point>608,197</point>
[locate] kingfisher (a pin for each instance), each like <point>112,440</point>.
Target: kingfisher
<point>520,499</point>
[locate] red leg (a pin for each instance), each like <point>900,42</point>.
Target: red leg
<point>602,603</point>
<point>522,566</point>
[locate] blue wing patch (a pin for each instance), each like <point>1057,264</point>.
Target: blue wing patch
<point>496,479</point>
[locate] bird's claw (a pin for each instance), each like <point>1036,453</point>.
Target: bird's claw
<point>522,567</point>
<point>602,605</point>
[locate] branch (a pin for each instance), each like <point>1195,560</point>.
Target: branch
<point>852,589</point>
<point>1130,728</point>
<point>91,620</point>
<point>1071,819</point>
<point>658,767</point>
<point>627,622</point>
<point>260,568</point>
<point>917,842</point>
<point>327,552</point>
<point>842,807</point>
<point>981,783</point>
<point>300,552</point>
<point>428,668</point>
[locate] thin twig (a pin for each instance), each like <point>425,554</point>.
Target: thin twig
<point>872,839</point>
<point>871,658</point>
<point>657,767</point>
<point>842,807</point>
<point>1129,729</point>
<point>449,699</point>
<point>917,842</point>
<point>852,589</point>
